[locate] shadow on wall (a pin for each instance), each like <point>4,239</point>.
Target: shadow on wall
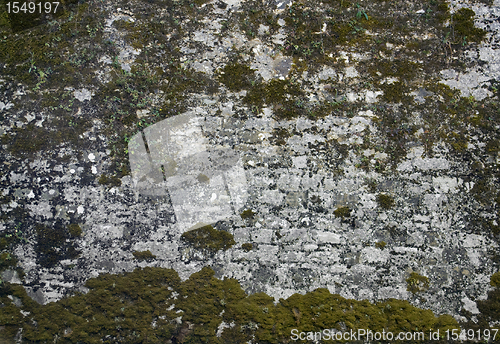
<point>174,158</point>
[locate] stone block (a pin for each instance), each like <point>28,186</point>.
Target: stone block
<point>328,238</point>
<point>268,254</point>
<point>274,197</point>
<point>262,235</point>
<point>241,235</point>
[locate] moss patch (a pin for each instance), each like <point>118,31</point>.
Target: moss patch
<point>489,308</point>
<point>54,244</point>
<point>7,260</point>
<point>495,280</point>
<point>463,29</point>
<point>237,76</point>
<point>208,239</point>
<point>75,230</point>
<point>247,247</point>
<point>385,202</point>
<point>248,214</point>
<point>417,283</point>
<point>342,212</point>
<point>252,15</point>
<point>143,255</point>
<point>142,306</point>
<point>110,181</point>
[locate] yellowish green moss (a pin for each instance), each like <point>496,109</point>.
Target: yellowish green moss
<point>457,141</point>
<point>385,202</point>
<point>248,214</point>
<point>109,181</point>
<point>252,15</point>
<point>53,244</point>
<point>495,280</point>
<point>463,29</point>
<point>237,76</point>
<point>141,307</point>
<point>7,260</point>
<point>342,212</point>
<point>493,146</point>
<point>247,246</point>
<point>143,255</point>
<point>417,283</point>
<point>209,239</point>
<point>75,230</point>
<point>490,308</point>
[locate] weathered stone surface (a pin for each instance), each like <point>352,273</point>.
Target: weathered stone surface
<point>292,173</point>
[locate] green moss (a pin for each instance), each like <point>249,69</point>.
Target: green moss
<point>110,181</point>
<point>204,298</point>
<point>75,230</point>
<point>7,260</point>
<point>275,92</point>
<point>254,13</point>
<point>320,309</point>
<point>11,318</point>
<point>385,201</point>
<point>309,37</point>
<point>404,70</point>
<point>342,212</point>
<point>285,96</point>
<point>490,308</point>
<point>123,308</point>
<point>37,56</point>
<point>4,21</point>
<point>493,146</point>
<point>54,244</point>
<point>416,283</point>
<point>118,308</point>
<point>237,76</point>
<point>380,244</point>
<point>463,29</point>
<point>280,136</point>
<point>22,143</point>
<point>248,214</point>
<point>123,24</point>
<point>395,92</point>
<point>483,191</point>
<point>143,255</point>
<point>61,129</point>
<point>209,239</point>
<point>459,142</point>
<point>3,243</point>
<point>247,247</point>
<point>495,280</point>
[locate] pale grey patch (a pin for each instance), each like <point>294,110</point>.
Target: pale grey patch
<point>421,94</point>
<point>169,158</point>
<point>37,295</point>
<point>82,94</point>
<point>282,66</point>
<point>4,106</point>
<point>11,276</point>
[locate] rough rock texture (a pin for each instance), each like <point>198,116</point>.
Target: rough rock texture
<point>419,198</point>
